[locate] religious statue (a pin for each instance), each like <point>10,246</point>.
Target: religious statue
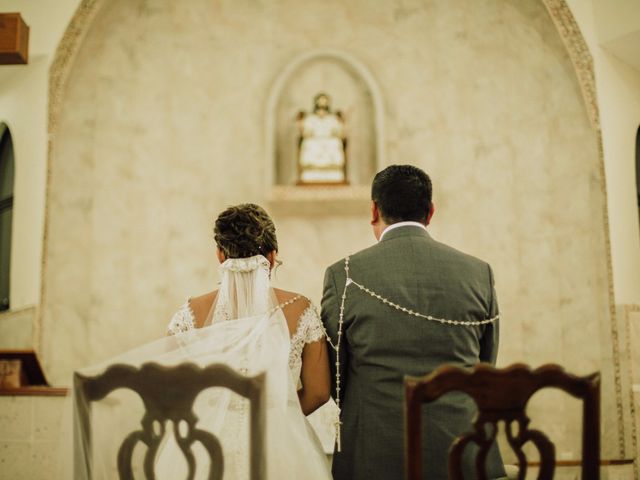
<point>322,144</point>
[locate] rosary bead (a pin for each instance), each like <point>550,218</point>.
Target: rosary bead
<point>385,301</point>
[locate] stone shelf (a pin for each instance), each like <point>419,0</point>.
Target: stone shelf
<point>35,391</point>
<point>320,199</point>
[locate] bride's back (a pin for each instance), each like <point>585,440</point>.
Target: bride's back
<point>294,306</point>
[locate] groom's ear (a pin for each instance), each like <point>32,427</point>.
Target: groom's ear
<point>375,213</point>
<point>432,210</point>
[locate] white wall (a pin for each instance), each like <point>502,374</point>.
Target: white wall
<point>23,106</point>
<point>620,111</point>
<point>47,20</point>
<point>618,89</point>
<point>615,18</point>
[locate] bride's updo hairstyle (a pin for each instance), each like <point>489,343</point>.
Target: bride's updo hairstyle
<point>244,231</point>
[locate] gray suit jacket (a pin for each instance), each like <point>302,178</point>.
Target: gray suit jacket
<point>381,345</point>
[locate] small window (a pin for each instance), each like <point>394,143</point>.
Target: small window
<point>6,212</point>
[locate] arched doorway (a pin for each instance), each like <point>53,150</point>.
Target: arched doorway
<point>6,212</point>
<point>638,169</point>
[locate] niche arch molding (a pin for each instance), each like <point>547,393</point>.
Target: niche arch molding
<point>281,193</point>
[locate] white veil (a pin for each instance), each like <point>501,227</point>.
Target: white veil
<point>245,330</point>
<point>245,289</point>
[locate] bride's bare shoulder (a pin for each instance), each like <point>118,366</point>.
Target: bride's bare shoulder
<point>201,305</point>
<point>295,308</point>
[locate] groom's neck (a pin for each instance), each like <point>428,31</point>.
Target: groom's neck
<point>378,228</point>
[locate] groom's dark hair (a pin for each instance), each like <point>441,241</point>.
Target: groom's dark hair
<point>402,194</point>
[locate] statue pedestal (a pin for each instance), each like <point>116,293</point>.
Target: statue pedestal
<point>320,199</point>
<point>303,184</point>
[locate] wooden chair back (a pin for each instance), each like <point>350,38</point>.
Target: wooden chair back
<point>168,393</point>
<point>502,395</point>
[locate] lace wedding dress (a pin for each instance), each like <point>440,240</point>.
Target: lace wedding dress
<point>309,330</point>
<point>245,298</point>
<point>234,431</point>
<point>246,329</point>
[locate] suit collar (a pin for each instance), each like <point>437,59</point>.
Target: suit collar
<point>405,231</point>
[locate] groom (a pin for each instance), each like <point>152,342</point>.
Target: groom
<point>381,344</point>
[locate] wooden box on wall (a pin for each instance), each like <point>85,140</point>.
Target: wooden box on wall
<point>14,39</point>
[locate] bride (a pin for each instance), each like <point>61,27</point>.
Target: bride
<point>251,327</point>
<point>247,250</point>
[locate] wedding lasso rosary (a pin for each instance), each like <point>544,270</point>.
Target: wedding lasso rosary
<point>336,346</point>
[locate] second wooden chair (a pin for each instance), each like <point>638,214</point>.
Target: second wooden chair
<point>502,395</point>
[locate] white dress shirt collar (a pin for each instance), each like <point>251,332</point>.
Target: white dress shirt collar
<point>401,224</point>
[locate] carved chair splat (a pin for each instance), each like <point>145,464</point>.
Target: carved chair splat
<point>168,393</point>
<point>502,395</point>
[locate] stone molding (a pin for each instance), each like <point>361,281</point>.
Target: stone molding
<point>579,53</point>
<point>627,311</point>
<point>65,55</point>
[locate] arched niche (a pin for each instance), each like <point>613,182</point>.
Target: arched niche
<point>353,91</point>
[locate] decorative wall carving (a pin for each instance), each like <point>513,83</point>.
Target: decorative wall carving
<point>578,52</point>
<point>65,54</point>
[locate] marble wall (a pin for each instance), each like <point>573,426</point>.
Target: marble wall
<point>158,132</point>
<point>30,436</point>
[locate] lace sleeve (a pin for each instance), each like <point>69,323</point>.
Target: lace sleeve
<point>313,326</point>
<point>182,320</point>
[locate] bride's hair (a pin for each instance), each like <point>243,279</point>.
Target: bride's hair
<point>244,231</point>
